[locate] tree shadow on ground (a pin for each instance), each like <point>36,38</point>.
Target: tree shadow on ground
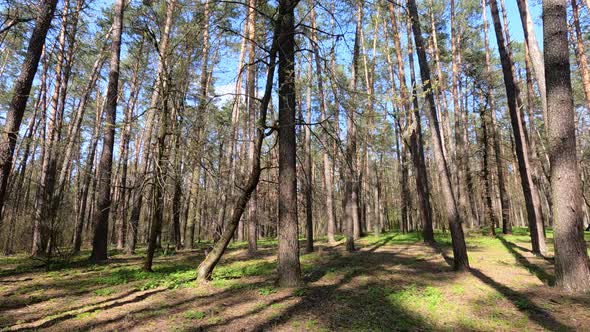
<point>356,305</point>
<point>520,300</point>
<point>524,304</point>
<point>534,269</point>
<point>173,306</point>
<point>52,320</point>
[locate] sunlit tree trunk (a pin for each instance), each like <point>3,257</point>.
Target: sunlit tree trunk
<point>251,103</point>
<point>308,165</point>
<point>138,211</point>
<point>351,185</point>
<point>205,269</point>
<point>461,261</point>
<point>531,44</point>
<point>289,270</point>
<point>20,93</point>
<point>580,53</point>
<point>416,140</point>
<point>520,141</point>
<point>327,162</point>
<point>103,200</point>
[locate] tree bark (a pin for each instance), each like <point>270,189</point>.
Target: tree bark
<point>416,139</point>
<point>205,269</point>
<point>580,53</point>
<point>572,266</point>
<point>21,91</point>
<point>103,201</point>
<point>461,261</point>
<point>143,165</point>
<point>289,270</point>
<point>353,230</point>
<point>495,133</point>
<point>327,163</point>
<point>520,142</point>
<point>308,162</point>
<point>251,95</point>
<point>530,40</point>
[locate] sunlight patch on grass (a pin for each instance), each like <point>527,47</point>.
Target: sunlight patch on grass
<point>428,297</point>
<point>104,292</point>
<point>265,291</point>
<point>194,315</point>
<point>258,267</point>
<point>88,314</point>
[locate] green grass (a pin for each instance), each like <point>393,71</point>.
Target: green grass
<point>428,297</point>
<point>169,276</point>
<point>104,292</point>
<point>194,315</point>
<point>258,267</point>
<point>265,291</point>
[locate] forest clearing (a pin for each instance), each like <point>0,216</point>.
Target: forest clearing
<point>294,165</point>
<point>393,282</point>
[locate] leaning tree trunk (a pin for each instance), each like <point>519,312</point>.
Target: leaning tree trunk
<point>205,269</point>
<point>535,53</point>
<point>520,143</point>
<point>572,266</point>
<point>103,200</point>
<point>416,140</point>
<point>86,182</point>
<point>504,200</point>
<point>44,212</point>
<point>461,261</point>
<point>22,88</point>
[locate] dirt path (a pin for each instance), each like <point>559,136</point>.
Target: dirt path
<point>386,285</point>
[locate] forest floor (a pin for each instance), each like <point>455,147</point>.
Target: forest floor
<point>393,282</point>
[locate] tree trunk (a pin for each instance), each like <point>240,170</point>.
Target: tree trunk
<point>327,163</point>
<point>307,166</point>
<point>86,181</point>
<point>161,166</point>
<point>125,138</point>
<point>461,261</point>
<point>22,88</point>
<point>521,147</point>
<point>490,216</point>
<point>572,266</point>
<point>206,267</point>
<point>351,182</point>
<point>289,271</point>
<point>44,213</point>
<point>530,40</point>
<point>138,193</point>
<point>416,139</point>
<point>103,201</point>
<point>251,95</point>
<point>494,130</point>
<point>580,53</point>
